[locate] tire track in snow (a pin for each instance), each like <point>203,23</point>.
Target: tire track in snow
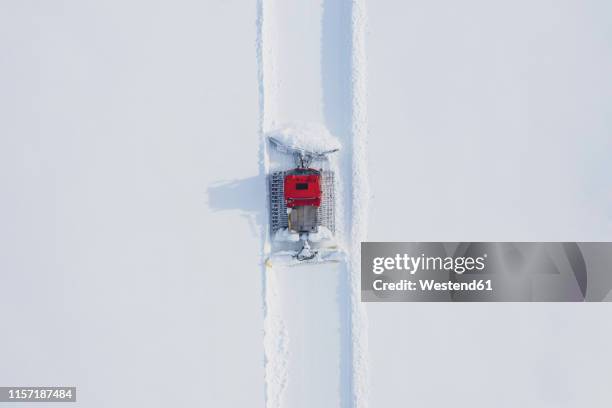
<point>275,337</point>
<point>340,105</point>
<point>360,200</point>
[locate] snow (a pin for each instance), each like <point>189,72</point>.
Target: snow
<point>276,343</point>
<point>489,121</point>
<point>312,137</point>
<point>315,299</point>
<point>131,202</point>
<point>323,234</point>
<point>309,308</point>
<point>284,235</point>
<point>360,200</point>
<point>133,155</point>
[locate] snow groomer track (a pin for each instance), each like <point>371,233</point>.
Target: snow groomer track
<point>314,334</point>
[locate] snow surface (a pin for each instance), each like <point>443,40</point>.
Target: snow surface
<point>131,202</point>
<point>360,201</point>
<point>323,234</point>
<point>133,211</point>
<point>284,235</point>
<point>490,121</point>
<point>317,368</point>
<point>312,137</point>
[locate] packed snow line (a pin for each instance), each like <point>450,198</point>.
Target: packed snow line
<point>275,336</point>
<point>360,199</point>
<point>276,346</point>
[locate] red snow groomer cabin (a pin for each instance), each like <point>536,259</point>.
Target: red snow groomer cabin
<point>303,188</point>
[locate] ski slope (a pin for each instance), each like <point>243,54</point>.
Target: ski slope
<point>306,71</point>
<point>133,213</point>
<point>490,121</point>
<point>121,216</point>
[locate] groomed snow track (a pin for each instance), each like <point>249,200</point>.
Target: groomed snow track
<point>314,327</point>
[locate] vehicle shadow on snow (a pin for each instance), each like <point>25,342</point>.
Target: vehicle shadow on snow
<point>243,196</point>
